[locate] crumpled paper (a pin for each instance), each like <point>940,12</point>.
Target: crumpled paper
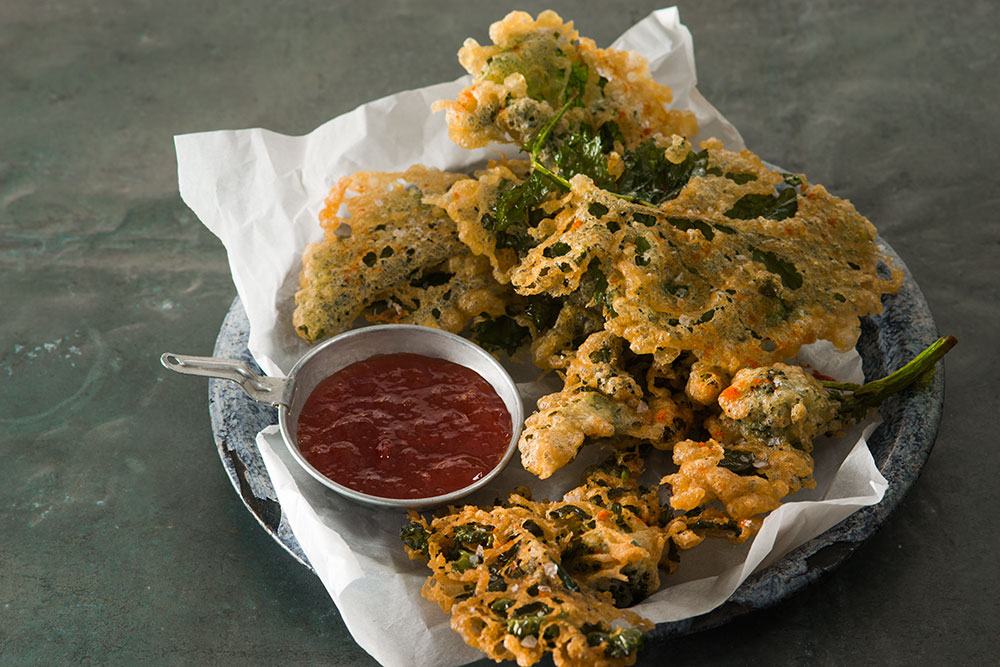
<point>261,193</point>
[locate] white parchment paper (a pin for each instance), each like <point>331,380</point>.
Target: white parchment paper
<point>261,193</point>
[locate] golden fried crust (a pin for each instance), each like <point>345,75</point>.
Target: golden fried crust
<point>698,274</point>
<point>532,577</point>
<point>776,405</point>
<point>701,479</point>
<point>468,203</point>
<point>598,364</point>
<point>535,65</point>
<point>446,296</point>
<point>554,348</point>
<point>391,235</point>
<point>553,435</point>
<point>705,382</point>
<point>701,272</point>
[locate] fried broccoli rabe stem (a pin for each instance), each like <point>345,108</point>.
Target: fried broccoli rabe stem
<point>857,401</point>
<point>530,578</point>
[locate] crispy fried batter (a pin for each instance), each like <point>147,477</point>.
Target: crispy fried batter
<point>774,406</point>
<point>620,547</point>
<point>554,434</point>
<point>703,478</point>
<point>535,65</point>
<point>445,297</point>
<point>598,364</point>
<point>555,347</point>
<point>392,235</point>
<point>533,577</point>
<point>705,382</point>
<point>649,275</point>
<point>468,203</point>
<point>692,275</point>
<point>740,267</point>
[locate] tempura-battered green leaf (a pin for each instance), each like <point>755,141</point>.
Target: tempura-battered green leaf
<point>500,334</point>
<point>777,207</point>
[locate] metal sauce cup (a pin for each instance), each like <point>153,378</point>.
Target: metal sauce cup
<point>290,394</point>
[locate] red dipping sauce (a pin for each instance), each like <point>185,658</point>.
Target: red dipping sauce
<point>404,426</point>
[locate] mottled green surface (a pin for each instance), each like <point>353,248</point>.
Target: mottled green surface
<point>121,540</point>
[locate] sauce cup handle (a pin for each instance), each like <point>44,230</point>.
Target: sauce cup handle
<point>261,388</point>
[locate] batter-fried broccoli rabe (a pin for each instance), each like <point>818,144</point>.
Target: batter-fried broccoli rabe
<point>528,577</point>
<point>761,438</point>
<point>664,283</point>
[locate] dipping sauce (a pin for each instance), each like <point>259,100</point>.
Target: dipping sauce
<point>404,426</point>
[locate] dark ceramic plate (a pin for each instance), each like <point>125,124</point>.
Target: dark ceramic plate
<point>900,447</point>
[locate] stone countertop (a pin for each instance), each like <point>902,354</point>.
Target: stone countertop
<point>122,540</point>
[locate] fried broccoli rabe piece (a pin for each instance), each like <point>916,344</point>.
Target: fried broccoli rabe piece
<point>615,543</point>
<point>545,89</point>
<point>781,405</point>
<point>776,405</point>
<point>761,439</point>
<point>598,364</point>
<point>737,265</point>
<point>553,435</point>
<point>446,296</point>
<point>535,66</point>
<point>707,251</point>
<point>378,234</point>
<point>530,578</point>
<point>703,479</point>
<point>601,399</point>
